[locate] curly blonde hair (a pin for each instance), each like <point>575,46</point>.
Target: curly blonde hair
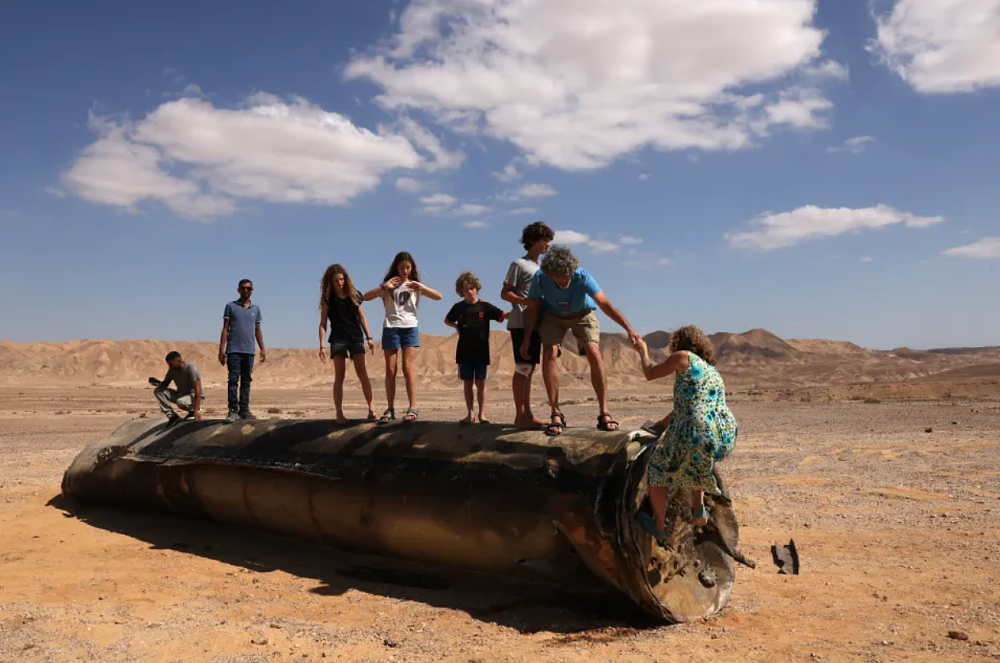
<point>693,339</point>
<point>466,278</point>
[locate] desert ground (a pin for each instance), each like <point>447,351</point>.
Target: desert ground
<point>891,500</point>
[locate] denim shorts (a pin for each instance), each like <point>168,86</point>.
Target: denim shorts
<point>469,372</point>
<point>394,338</point>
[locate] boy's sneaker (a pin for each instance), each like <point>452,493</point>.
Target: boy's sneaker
<point>232,416</point>
<point>248,415</point>
<point>172,419</point>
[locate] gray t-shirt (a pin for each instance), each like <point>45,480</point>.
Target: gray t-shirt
<point>519,276</point>
<point>183,378</point>
<point>242,327</point>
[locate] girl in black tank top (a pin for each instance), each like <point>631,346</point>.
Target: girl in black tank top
<point>340,306</point>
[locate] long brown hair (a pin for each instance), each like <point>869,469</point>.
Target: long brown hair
<point>402,256</point>
<point>326,284</point>
<point>693,339</point>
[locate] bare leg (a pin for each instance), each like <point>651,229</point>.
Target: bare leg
<point>390,378</point>
<point>658,498</point>
<point>340,372</point>
<point>518,385</point>
<point>468,403</point>
<point>409,354</point>
<point>481,393</point>
<point>697,499</point>
<point>598,377</point>
<point>366,384</point>
<point>550,375</point>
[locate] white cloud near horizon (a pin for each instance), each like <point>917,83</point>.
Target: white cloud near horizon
<point>854,145</point>
<point>576,84</point>
<point>201,160</point>
<point>476,225</point>
<point>941,46</point>
<point>772,231</point>
<point>983,249</point>
<point>442,204</point>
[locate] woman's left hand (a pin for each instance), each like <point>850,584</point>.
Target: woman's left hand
<point>371,346</point>
<point>640,345</point>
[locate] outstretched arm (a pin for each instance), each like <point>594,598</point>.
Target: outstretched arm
<point>609,310</point>
<point>375,292</point>
<point>426,291</point>
<point>677,361</point>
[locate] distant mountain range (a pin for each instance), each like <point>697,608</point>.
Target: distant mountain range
<point>756,358</point>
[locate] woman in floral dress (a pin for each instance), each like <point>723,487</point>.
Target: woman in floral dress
<point>700,431</point>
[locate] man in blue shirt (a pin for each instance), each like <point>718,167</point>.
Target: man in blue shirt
<point>565,296</point>
<point>240,330</point>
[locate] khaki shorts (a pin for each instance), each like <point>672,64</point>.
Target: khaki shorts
<point>586,329</point>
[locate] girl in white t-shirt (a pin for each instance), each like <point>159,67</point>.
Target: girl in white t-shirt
<point>400,292</point>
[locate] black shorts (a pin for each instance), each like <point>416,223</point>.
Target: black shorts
<point>535,348</point>
<point>347,349</point>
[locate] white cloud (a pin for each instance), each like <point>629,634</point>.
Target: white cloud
<point>425,140</point>
<point>470,209</point>
<point>987,247</point>
<point>476,225</point>
<point>663,261</point>
<point>54,191</point>
<point>523,210</point>
<point>602,246</point>
<point>866,259</point>
<point>854,145</point>
<point>508,174</point>
<point>628,239</point>
<point>574,238</point>
<point>409,185</point>
<point>579,83</point>
<point>536,191</point>
<point>199,160</point>
<point>643,177</point>
<point>441,204</point>
<point>777,231</point>
<point>941,46</point>
<point>570,237</point>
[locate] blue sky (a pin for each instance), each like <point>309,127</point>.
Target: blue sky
<point>819,169</point>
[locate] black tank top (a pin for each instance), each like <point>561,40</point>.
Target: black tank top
<point>345,322</point>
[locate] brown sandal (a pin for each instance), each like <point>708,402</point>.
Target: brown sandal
<point>605,422</point>
<point>553,425</point>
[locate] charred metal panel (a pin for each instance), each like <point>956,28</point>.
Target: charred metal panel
<point>484,498</point>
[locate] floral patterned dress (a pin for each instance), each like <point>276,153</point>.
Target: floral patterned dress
<point>702,431</point>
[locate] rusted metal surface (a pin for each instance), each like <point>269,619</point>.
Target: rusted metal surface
<point>484,498</point>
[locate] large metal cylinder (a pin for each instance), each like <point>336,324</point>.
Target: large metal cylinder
<point>483,497</point>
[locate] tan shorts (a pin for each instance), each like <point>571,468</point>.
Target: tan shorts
<point>586,329</point>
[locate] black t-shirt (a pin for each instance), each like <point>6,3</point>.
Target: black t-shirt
<point>345,321</point>
<point>473,322</point>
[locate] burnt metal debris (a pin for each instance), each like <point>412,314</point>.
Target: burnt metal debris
<point>488,498</point>
<point>786,558</point>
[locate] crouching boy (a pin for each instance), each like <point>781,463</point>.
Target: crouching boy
<point>472,317</point>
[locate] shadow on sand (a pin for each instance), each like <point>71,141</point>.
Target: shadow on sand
<point>528,609</point>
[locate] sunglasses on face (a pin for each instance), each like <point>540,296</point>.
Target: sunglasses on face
<point>247,288</point>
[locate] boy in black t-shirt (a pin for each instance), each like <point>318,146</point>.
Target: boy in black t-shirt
<point>472,317</point>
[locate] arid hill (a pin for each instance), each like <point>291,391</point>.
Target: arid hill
<point>756,358</point>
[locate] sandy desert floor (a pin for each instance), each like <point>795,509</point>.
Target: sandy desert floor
<point>896,528</point>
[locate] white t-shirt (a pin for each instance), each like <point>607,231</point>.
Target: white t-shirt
<point>401,307</point>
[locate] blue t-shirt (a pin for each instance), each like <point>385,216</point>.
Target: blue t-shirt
<point>574,300</point>
<point>242,327</point>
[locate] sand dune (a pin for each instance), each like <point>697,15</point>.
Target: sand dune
<point>753,358</point>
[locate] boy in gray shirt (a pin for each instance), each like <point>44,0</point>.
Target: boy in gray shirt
<point>535,238</point>
<point>187,395</point>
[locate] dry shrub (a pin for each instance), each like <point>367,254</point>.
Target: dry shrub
<point>872,401</point>
<point>274,410</point>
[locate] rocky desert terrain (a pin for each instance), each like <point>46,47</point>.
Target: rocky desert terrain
<point>883,466</point>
